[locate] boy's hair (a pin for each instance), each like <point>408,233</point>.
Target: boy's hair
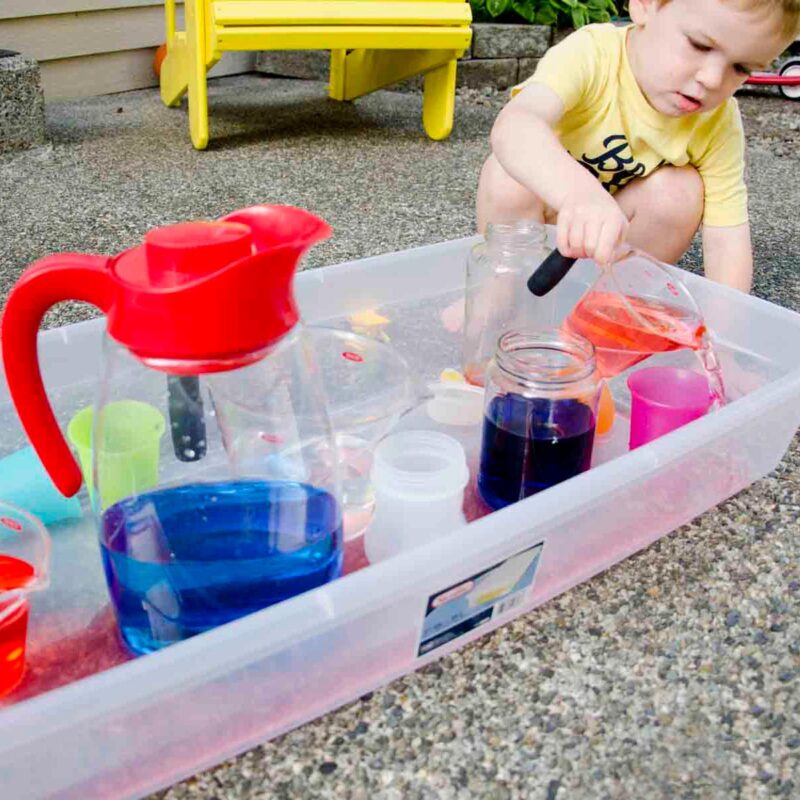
<point>789,8</point>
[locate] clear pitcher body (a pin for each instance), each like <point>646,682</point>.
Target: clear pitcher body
<point>208,453</point>
<point>216,493</point>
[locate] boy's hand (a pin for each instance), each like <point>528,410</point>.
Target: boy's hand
<point>590,222</point>
<point>591,225</point>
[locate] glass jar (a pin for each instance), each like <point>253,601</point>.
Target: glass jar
<point>497,299</point>
<point>542,392</point>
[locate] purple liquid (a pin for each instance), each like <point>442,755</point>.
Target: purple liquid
<point>531,444</point>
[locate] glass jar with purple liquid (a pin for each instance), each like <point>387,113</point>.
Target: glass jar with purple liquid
<point>542,390</point>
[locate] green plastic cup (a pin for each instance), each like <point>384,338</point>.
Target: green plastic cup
<point>129,436</point>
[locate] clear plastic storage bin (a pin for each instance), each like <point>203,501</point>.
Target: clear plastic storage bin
<point>90,722</point>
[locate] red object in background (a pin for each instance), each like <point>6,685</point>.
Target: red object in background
<point>771,79</point>
<point>787,79</point>
<point>158,59</point>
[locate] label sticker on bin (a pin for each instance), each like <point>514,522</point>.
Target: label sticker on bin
<point>460,608</point>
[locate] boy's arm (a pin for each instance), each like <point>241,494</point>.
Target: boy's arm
<point>718,153</point>
<point>728,255</point>
<point>590,222</point>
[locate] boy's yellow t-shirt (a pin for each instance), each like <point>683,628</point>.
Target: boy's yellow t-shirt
<point>610,128</point>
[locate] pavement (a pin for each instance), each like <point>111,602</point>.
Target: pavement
<point>674,674</point>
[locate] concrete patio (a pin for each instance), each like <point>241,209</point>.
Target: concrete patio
<point>675,674</point>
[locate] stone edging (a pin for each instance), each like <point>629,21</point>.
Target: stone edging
<point>500,56</point>
<point>22,120</point>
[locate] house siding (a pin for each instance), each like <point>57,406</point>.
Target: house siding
<point>90,47</point>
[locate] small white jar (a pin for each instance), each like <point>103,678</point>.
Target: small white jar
<point>419,479</point>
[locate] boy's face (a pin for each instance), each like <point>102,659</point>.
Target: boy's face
<point>691,55</point>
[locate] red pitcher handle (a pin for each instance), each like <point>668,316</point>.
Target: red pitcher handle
<point>68,276</point>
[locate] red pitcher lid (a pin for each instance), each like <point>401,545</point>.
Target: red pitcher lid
<point>206,291</point>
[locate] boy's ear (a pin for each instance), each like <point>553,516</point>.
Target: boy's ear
<point>640,10</point>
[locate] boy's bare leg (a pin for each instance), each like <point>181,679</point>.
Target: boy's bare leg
<point>501,199</point>
<point>665,208</point>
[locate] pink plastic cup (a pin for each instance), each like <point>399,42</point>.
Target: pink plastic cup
<point>663,399</point>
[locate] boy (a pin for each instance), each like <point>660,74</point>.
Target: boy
<point>632,134</point>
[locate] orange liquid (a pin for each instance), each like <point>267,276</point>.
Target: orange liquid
<point>13,630</point>
<point>474,374</point>
<point>606,411</point>
<point>621,337</point>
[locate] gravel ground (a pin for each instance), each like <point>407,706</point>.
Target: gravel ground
<point>674,674</point>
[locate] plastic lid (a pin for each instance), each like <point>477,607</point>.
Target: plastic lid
<point>211,292</point>
<point>420,465</point>
<point>177,254</point>
<point>458,404</point>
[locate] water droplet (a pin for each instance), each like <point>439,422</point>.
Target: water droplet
<point>713,370</point>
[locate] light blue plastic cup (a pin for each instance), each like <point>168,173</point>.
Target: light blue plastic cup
<point>25,483</point>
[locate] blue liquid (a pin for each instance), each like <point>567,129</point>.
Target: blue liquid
<point>530,444</point>
<point>181,561</point>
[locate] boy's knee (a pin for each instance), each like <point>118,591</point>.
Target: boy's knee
<point>503,199</point>
<point>678,194</point>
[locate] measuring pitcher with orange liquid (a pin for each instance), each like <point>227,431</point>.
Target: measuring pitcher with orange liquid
<point>637,308</point>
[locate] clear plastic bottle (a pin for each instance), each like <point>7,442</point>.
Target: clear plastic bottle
<point>497,299</point>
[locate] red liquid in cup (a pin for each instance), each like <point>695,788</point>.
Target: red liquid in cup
<point>14,574</point>
<point>13,631</point>
<point>616,327</point>
<point>625,331</point>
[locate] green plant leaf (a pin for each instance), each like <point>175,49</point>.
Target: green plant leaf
<point>579,17</point>
<point>497,7</point>
<point>479,12</point>
<point>546,15</point>
<point>549,12</point>
<point>525,8</point>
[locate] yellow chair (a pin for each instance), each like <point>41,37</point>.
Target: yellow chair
<point>373,43</point>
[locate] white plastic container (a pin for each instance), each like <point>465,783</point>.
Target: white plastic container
<point>419,479</point>
<point>144,724</point>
